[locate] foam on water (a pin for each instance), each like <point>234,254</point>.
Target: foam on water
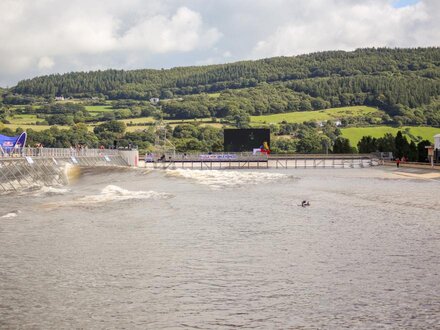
<point>219,178</point>
<point>113,193</point>
<point>11,214</point>
<point>72,172</point>
<point>51,191</point>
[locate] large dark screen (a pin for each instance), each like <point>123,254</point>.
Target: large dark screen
<point>238,140</point>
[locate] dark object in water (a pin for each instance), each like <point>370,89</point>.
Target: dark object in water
<point>305,203</point>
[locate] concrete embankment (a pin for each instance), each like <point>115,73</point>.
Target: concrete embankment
<point>56,166</point>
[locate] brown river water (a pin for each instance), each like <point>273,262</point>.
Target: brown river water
<point>223,249</point>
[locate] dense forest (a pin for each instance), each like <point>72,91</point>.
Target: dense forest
<point>143,84</point>
<point>405,83</point>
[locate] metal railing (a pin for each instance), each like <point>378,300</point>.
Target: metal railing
<point>322,156</point>
<point>205,157</point>
<point>56,152</point>
<point>246,156</point>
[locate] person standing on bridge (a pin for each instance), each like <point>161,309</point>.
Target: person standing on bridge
<point>39,149</point>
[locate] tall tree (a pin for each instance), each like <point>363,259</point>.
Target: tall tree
<point>402,145</point>
<point>367,144</point>
<point>422,151</point>
<point>342,146</point>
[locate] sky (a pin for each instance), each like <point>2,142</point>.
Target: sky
<point>40,37</point>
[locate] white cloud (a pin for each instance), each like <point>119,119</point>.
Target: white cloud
<point>45,36</point>
<point>183,31</point>
<point>348,25</point>
<point>36,32</point>
<point>45,63</point>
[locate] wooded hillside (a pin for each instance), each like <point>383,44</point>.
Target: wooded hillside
<point>405,83</point>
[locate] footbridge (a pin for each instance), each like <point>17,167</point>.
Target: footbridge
<point>28,167</point>
<point>256,161</point>
<point>324,161</point>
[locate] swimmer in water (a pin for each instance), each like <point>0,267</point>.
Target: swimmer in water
<point>305,203</point>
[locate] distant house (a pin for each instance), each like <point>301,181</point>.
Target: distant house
<point>154,100</point>
<point>437,148</point>
<point>322,123</point>
<point>59,98</point>
<point>437,141</point>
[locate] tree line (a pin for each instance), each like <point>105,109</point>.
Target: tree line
<point>193,137</point>
<point>143,84</point>
<point>398,145</point>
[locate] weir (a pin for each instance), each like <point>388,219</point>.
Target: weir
<point>27,167</point>
<point>257,161</point>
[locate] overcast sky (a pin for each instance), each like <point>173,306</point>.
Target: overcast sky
<point>55,36</point>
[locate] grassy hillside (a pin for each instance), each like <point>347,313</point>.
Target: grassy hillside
<point>23,119</point>
<point>98,109</point>
<point>34,127</point>
<point>354,134</point>
<point>403,83</point>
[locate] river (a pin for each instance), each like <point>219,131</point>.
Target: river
<point>153,249</point>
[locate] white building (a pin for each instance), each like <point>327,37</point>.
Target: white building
<point>437,141</point>
<point>154,100</point>
<point>322,123</point>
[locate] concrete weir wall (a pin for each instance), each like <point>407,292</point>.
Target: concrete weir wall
<point>130,156</point>
<point>37,167</point>
<point>21,173</point>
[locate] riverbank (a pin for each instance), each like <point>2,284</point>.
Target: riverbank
<point>416,171</point>
<point>133,248</point>
<point>425,166</point>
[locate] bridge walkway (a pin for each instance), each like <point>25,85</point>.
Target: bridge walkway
<point>248,160</point>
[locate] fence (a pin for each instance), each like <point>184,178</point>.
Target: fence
<point>208,157</point>
<point>250,160</point>
<point>57,152</point>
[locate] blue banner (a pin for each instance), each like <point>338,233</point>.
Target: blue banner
<point>8,143</point>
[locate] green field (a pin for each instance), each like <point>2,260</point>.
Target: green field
<point>28,121</point>
<point>96,110</point>
<point>16,107</point>
<point>354,134</point>
<point>23,119</point>
<point>34,127</point>
<point>148,120</point>
<point>139,120</point>
<point>318,115</point>
<point>137,128</point>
